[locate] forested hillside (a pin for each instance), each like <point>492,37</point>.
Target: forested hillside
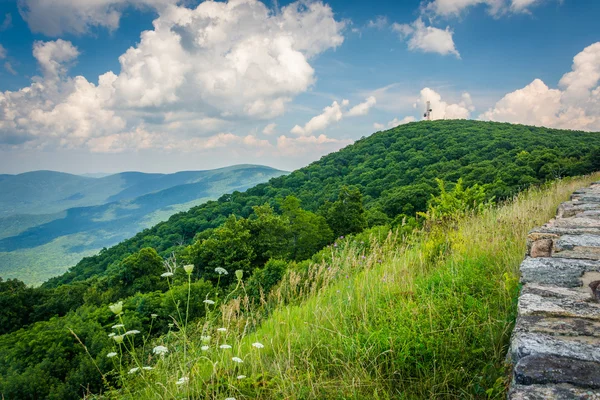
<point>381,180</point>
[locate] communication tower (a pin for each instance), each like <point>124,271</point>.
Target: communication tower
<point>428,111</point>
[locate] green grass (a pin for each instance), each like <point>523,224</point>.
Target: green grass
<point>418,318</point>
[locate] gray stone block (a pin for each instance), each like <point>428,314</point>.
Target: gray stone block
<point>557,326</point>
<point>576,347</point>
<point>556,271</point>
<point>555,301</point>
<point>545,369</point>
<point>552,392</point>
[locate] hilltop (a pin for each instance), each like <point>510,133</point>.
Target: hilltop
<point>284,236</point>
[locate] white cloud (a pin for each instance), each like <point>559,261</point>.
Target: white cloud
<point>57,17</point>
<point>54,56</point>
<point>362,108</point>
<point>495,8</point>
<point>309,144</point>
<point>378,126</point>
<point>269,129</point>
<point>396,121</point>
<point>575,105</point>
<point>427,39</point>
<point>443,110</point>
<point>9,68</point>
<point>198,71</point>
<point>7,23</point>
<point>378,23</point>
<point>2,52</point>
<point>330,114</point>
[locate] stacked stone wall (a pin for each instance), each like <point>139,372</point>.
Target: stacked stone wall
<point>555,346</point>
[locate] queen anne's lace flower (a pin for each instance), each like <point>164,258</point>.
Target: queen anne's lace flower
<point>224,346</point>
<point>116,308</point>
<point>166,274</point>
<point>133,370</point>
<point>258,345</point>
<point>188,268</point>
<point>160,350</point>
<point>222,330</point>
<point>241,376</point>
<point>111,354</point>
<point>183,380</point>
<point>132,332</point>
<point>117,326</point>
<point>204,348</point>
<point>205,339</point>
<point>207,301</point>
<point>148,368</point>
<point>118,338</point>
<point>221,271</point>
<point>237,360</point>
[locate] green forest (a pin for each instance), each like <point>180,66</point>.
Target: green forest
<point>55,338</point>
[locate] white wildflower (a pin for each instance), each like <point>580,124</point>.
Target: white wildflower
<point>111,334</point>
<point>241,376</point>
<point>230,398</point>
<point>118,338</point>
<point>207,301</point>
<point>221,271</point>
<point>225,346</point>
<point>166,274</point>
<point>116,308</point>
<point>148,368</point>
<point>237,360</point>
<point>205,339</point>
<point>222,330</point>
<point>117,326</point>
<point>188,268</point>
<point>204,348</point>
<point>161,350</point>
<point>258,345</point>
<point>153,315</point>
<point>183,380</point>
<point>132,332</point>
<point>111,354</point>
<point>133,370</point>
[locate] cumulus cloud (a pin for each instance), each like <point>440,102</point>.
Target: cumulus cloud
<point>574,105</point>
<point>362,108</point>
<point>57,17</point>
<point>427,39</point>
<point>330,114</point>
<point>443,110</point>
<point>54,56</point>
<point>269,129</point>
<point>378,23</point>
<point>495,8</point>
<point>197,71</point>
<point>395,122</point>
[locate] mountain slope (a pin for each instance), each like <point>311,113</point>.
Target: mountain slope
<point>36,247</point>
<point>395,171</point>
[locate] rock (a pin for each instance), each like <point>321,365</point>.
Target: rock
<point>553,301</point>
<point>554,392</point>
<point>556,271</point>
<point>595,286</point>
<point>576,347</point>
<point>541,248</point>
<point>557,326</point>
<point>583,246</point>
<point>544,369</point>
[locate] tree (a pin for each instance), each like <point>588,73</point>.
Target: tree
<point>309,232</point>
<point>347,214</point>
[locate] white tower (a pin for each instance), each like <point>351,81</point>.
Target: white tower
<point>428,111</point>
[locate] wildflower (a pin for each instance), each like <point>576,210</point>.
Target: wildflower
<point>148,368</point>
<point>132,332</point>
<point>225,346</point>
<point>237,360</point>
<point>116,308</point>
<point>167,274</point>
<point>207,301</point>
<point>221,271</point>
<point>183,380</point>
<point>118,338</point>
<point>204,348</point>
<point>170,325</point>
<point>341,237</point>
<point>154,315</point>
<point>205,339</point>
<point>161,350</point>
<point>188,268</point>
<point>241,376</point>
<point>230,398</point>
<point>239,274</point>
<point>133,370</point>
<point>258,345</point>
<point>111,354</point>
<point>111,334</point>
<point>222,329</point>
<point>118,326</point>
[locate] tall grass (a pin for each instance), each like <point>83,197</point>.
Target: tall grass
<point>422,317</point>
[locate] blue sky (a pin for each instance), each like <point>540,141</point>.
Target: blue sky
<point>276,83</point>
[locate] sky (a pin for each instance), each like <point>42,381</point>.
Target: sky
<point>169,85</point>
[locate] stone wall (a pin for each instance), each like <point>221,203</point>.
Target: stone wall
<point>555,347</point>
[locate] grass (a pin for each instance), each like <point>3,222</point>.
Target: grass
<point>424,317</point>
